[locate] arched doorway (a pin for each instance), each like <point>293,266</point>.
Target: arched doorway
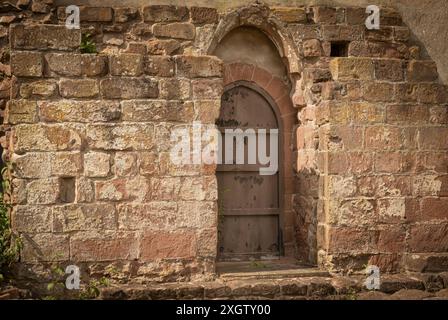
<point>252,60</point>
<point>250,202</point>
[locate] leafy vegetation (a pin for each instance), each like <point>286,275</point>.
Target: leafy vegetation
<point>10,243</point>
<point>92,291</point>
<point>87,44</point>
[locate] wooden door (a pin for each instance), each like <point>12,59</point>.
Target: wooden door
<point>249,203</point>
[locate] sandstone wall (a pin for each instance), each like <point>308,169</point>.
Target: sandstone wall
<point>90,138</point>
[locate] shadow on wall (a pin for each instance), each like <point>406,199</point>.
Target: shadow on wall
<point>427,21</point>
<point>305,208</point>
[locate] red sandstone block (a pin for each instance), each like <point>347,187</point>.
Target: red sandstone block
<point>433,138</point>
<point>420,71</point>
<point>261,77</point>
<point>388,263</point>
<point>164,245</point>
<point>360,162</point>
<point>436,162</point>
<point>428,238</point>
<point>378,91</point>
<point>394,162</point>
<point>383,138</point>
<point>111,246</point>
<point>349,239</point>
<point>277,88</point>
<point>432,209</point>
<point>392,239</point>
<point>407,114</point>
<point>431,262</point>
<point>384,186</point>
<point>241,71</point>
<point>338,163</point>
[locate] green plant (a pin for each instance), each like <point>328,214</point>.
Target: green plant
<point>10,243</point>
<point>56,284</point>
<point>87,44</point>
<point>92,289</point>
<point>351,295</point>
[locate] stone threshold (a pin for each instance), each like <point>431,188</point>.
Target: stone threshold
<point>336,287</point>
<point>271,269</point>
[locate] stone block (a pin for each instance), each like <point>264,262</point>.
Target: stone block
<point>41,137</point>
<point>162,47</point>
<point>162,245</point>
<point>198,67</point>
<point>83,217</point>
<point>421,71</point>
<point>21,111</point>
<point>202,15</point>
<point>207,89</point>
<point>96,164</point>
<point>157,110</point>
<point>39,89</point>
<point>121,136</point>
<point>352,69</point>
<point>77,111</point>
<point>43,191</point>
<point>129,88</point>
<point>26,64</point>
<point>175,89</point>
<point>177,30</point>
<point>165,13</point>
<point>126,64</point>
<point>32,219</point>
<point>45,247</point>
<point>389,70</point>
<point>44,37</point>
<point>161,66</point>
<point>428,238</point>
<point>79,88</point>
<point>104,246</point>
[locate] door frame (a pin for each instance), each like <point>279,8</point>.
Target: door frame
<point>281,149</point>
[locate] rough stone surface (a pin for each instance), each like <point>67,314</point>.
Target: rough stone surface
<point>89,140</point>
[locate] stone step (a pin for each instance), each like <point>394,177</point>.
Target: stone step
<point>306,287</point>
<point>277,274</point>
<point>269,269</point>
